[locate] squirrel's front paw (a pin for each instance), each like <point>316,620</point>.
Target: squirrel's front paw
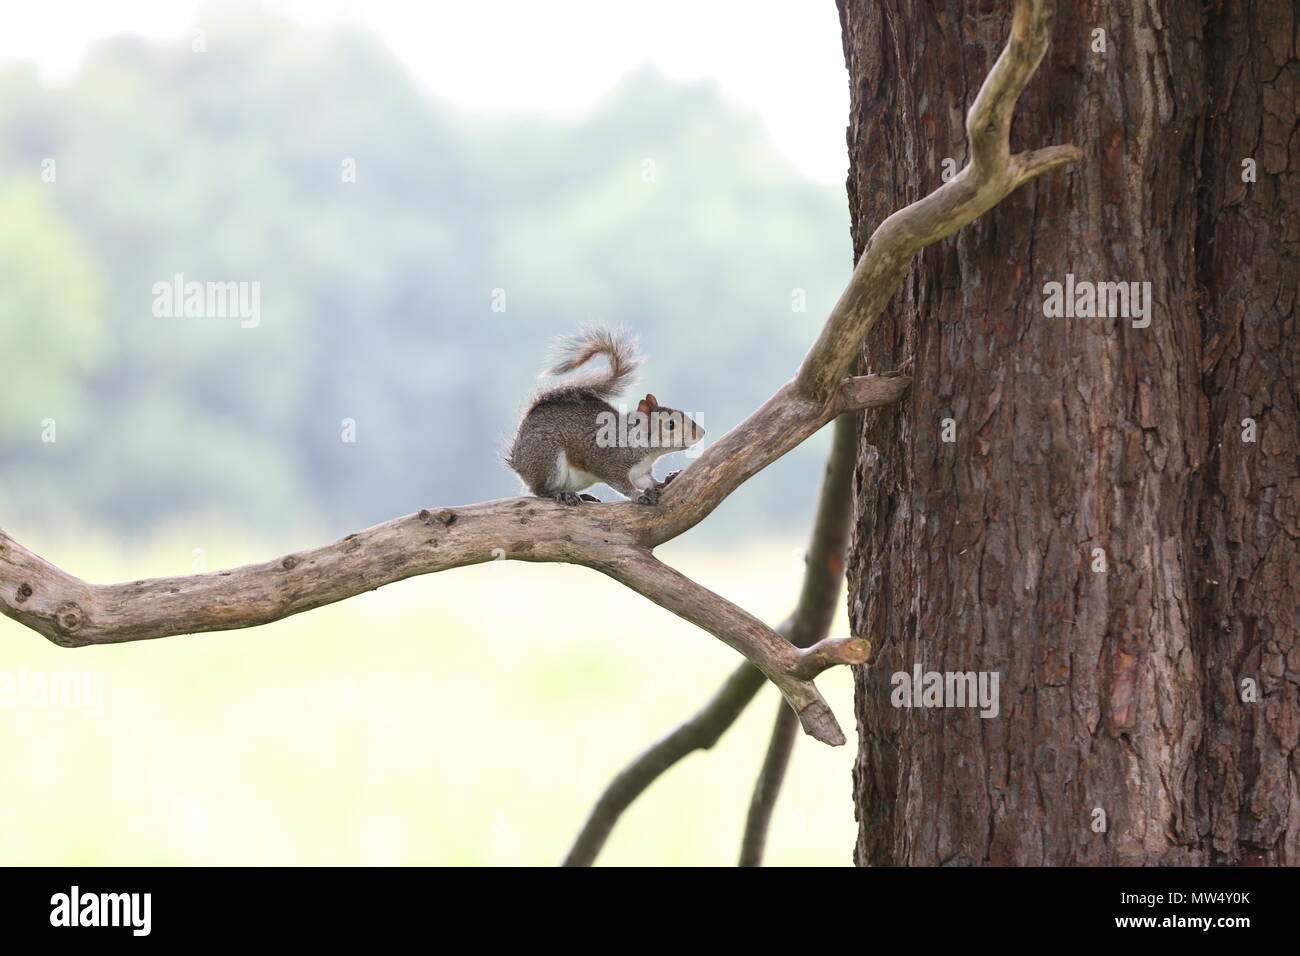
<point>669,477</point>
<point>649,496</point>
<point>568,497</point>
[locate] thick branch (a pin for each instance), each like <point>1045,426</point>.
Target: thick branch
<point>781,424</point>
<point>74,613</point>
<point>986,181</point>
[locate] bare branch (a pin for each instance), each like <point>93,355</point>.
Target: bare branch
<point>1032,163</point>
<point>701,732</point>
<point>791,669</point>
<point>830,653</point>
<point>768,787</point>
<point>990,177</point>
<point>74,613</point>
<point>782,423</point>
<point>613,538</point>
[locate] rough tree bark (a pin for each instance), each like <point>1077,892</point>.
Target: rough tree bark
<point>1120,690</point>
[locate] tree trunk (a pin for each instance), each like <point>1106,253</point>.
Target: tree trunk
<point>1122,735</point>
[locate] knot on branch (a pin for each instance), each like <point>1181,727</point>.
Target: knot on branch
<point>870,391</point>
<point>444,516</point>
<point>68,619</point>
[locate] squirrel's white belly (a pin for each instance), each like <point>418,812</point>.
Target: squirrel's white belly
<point>642,473</point>
<point>567,478</point>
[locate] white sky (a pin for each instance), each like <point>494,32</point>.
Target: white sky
<point>780,59</point>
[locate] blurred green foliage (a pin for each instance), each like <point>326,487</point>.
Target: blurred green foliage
<point>664,211</point>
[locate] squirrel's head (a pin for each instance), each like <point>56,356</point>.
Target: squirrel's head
<point>668,427</point>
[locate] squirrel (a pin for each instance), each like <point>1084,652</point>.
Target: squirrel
<point>571,437</point>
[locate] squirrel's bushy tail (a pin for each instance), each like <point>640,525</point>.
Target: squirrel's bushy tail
<point>618,348</point>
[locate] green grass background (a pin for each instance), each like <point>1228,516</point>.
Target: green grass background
<point>467,717</point>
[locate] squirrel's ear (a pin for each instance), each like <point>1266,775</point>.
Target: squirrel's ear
<point>654,402</point>
<point>643,407</point>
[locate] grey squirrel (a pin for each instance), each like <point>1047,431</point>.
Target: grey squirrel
<point>571,437</point>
